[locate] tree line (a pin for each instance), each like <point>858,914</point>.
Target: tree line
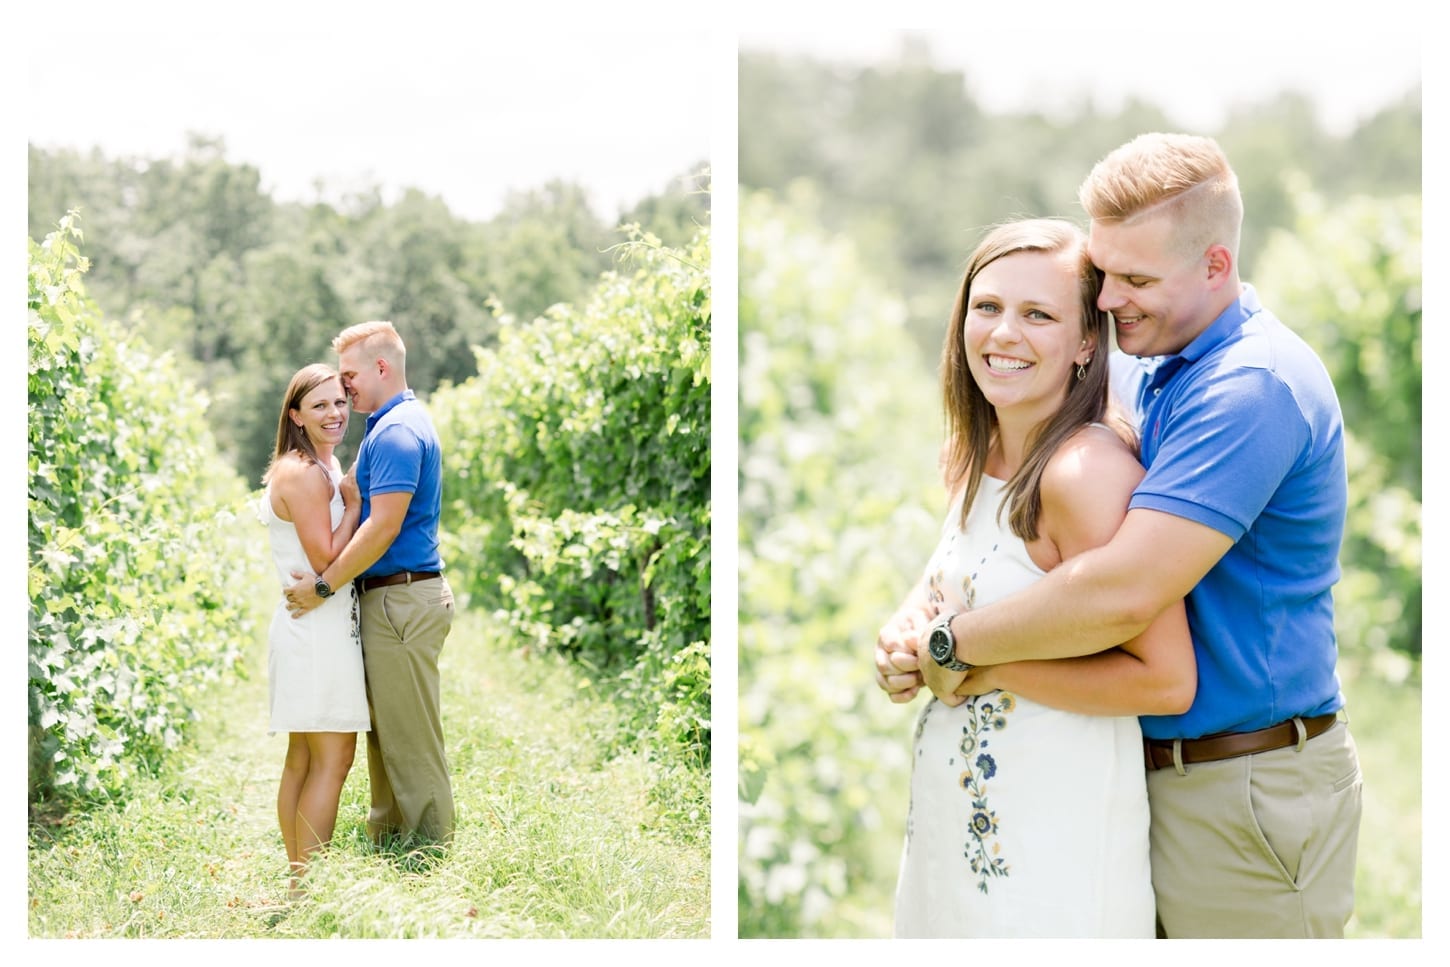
<point>193,255</point>
<point>915,168</point>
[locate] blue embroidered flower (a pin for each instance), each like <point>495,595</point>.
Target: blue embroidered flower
<point>983,849</point>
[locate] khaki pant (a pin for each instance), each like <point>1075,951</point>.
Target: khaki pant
<point>1258,846</point>
<point>403,628</point>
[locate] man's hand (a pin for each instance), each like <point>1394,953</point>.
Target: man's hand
<point>302,596</point>
<point>942,683</point>
<point>897,664</point>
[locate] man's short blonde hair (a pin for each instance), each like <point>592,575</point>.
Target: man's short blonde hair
<point>1183,176</point>
<point>377,337</point>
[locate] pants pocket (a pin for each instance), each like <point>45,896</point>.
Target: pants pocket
<point>1282,818</point>
<point>393,614</point>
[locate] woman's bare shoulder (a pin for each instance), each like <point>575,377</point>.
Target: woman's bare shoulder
<point>294,473</point>
<point>1092,456</point>
<point>1086,486</point>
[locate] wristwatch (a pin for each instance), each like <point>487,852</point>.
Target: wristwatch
<point>323,589</point>
<point>943,646</point>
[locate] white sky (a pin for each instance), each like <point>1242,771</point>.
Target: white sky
<point>461,108</point>
<point>1347,68</point>
<point>468,106</point>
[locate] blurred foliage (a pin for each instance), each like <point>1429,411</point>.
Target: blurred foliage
<point>915,168</point>
<point>837,424</point>
<point>863,191</point>
<point>198,259</point>
<point>577,486</point>
<point>134,539</point>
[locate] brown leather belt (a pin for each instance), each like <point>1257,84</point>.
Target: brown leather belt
<point>402,577</point>
<point>1159,753</point>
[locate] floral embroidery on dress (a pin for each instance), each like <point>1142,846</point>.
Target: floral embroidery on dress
<point>936,582</point>
<point>983,850</point>
<point>356,620</point>
<point>987,713</point>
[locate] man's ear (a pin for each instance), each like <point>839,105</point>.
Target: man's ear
<point>1220,265</point>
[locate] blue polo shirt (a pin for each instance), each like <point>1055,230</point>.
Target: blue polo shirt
<point>400,453</point>
<point>1242,432</point>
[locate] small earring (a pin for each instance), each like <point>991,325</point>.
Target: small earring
<point>1081,372</point>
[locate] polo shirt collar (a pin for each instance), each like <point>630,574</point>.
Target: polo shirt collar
<point>406,394</point>
<point>1225,326</point>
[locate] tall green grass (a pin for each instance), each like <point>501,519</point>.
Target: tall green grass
<point>1385,720</point>
<point>554,838</point>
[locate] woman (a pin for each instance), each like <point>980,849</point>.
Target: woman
<point>314,666</point>
<point>1027,819</point>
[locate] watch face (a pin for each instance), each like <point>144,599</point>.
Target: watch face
<point>941,645</point>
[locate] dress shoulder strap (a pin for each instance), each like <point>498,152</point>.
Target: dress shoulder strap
<point>265,513</point>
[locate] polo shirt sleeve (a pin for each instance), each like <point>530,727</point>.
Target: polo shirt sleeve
<point>395,461</point>
<point>1225,445</point>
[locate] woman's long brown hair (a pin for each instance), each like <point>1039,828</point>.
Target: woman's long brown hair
<point>290,436</point>
<point>971,420</point>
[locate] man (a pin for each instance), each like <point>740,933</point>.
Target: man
<point>406,603</point>
<point>1255,791</point>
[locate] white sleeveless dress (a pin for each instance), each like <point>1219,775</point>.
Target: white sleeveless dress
<point>1025,821</point>
<point>314,663</point>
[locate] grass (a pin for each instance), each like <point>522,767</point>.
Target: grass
<point>1385,720</point>
<point>556,837</point>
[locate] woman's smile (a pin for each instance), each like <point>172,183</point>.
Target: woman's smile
<point>1006,364</point>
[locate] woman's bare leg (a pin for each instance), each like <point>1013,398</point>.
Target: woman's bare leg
<point>330,758</point>
<point>294,775</point>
